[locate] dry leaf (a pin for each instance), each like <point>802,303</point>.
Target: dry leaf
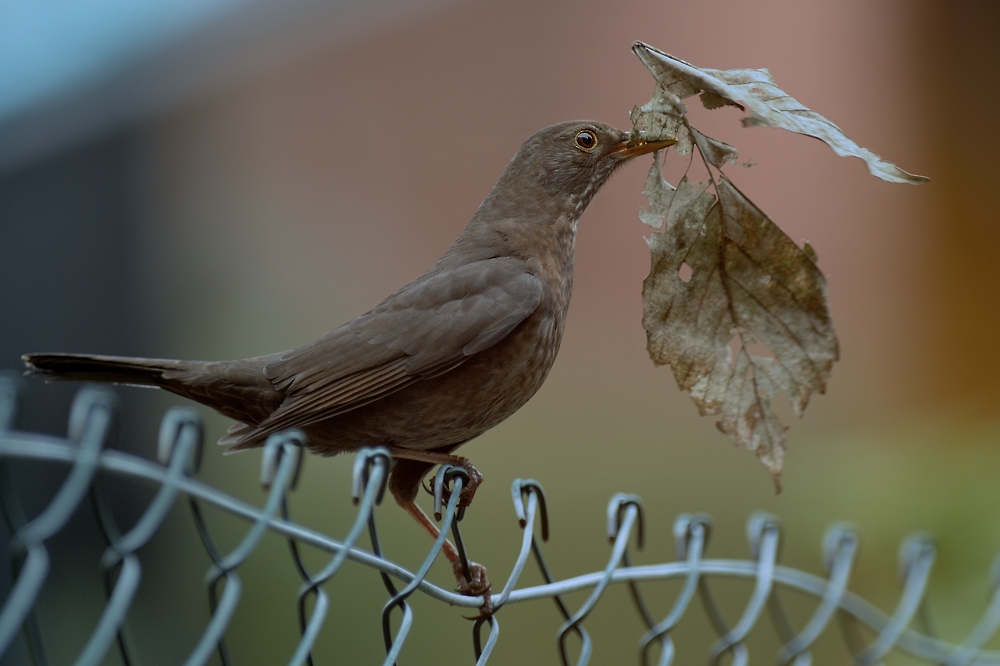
<point>662,118</point>
<point>755,91</point>
<point>731,303</point>
<point>748,281</point>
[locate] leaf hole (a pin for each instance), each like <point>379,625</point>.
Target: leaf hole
<point>744,340</point>
<point>684,272</point>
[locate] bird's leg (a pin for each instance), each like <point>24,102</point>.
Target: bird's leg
<point>437,458</point>
<point>404,481</point>
<point>479,584</point>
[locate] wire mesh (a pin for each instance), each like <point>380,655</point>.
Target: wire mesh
<point>179,451</point>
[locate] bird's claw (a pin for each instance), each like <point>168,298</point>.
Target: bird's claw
<point>469,488</point>
<point>469,491</point>
<point>479,585</point>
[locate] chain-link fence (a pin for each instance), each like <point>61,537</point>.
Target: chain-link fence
<point>174,477</point>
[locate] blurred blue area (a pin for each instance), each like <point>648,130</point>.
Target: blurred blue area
<point>50,47</point>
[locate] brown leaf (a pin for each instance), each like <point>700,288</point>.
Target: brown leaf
<point>754,90</point>
<point>716,152</point>
<point>663,117</point>
<point>748,282</point>
<point>711,101</point>
<point>667,204</point>
<point>750,320</point>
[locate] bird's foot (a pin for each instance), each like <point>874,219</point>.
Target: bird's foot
<point>479,585</point>
<point>469,489</point>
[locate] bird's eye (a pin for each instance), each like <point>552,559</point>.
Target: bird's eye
<point>586,140</point>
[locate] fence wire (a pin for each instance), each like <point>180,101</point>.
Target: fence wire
<point>179,452</point>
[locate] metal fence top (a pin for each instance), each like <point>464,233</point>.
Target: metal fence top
<point>173,475</point>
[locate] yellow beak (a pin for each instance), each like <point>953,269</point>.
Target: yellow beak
<point>629,149</point>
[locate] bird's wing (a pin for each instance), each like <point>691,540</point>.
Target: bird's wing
<point>429,327</point>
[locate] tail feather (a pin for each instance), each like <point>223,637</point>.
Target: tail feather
<point>237,389</point>
<point>89,367</point>
<point>238,438</point>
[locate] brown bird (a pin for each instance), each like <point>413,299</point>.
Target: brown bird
<point>439,362</point>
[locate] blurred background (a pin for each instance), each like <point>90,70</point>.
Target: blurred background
<point>228,178</point>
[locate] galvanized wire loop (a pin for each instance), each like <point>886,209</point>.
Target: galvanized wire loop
<point>763,533</point>
<point>121,584</point>
<point>690,529</point>
<point>183,453</point>
<point>399,600</point>
<point>783,625</point>
<point>213,552</point>
<point>121,567</point>
<point>623,530</point>
<point>779,616</point>
<point>443,483</point>
<point>518,490</point>
<point>111,533</point>
<point>543,567</point>
<point>176,421</point>
<point>840,547</point>
<point>616,507</point>
<point>916,556</point>
<point>287,443</point>
<point>483,653</point>
<point>526,518</point>
<point>94,413</point>
<point>370,479</point>
<point>365,461</point>
<point>363,465</point>
<point>277,473</point>
<point>92,420</point>
<point>442,486</point>
<point>691,533</point>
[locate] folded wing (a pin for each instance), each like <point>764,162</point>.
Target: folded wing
<point>429,327</point>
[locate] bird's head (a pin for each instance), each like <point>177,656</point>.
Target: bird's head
<point>534,207</point>
<point>572,160</point>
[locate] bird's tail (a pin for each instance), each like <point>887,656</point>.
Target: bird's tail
<point>237,389</point>
<point>93,368</point>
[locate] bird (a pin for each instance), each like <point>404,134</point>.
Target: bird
<point>439,362</point>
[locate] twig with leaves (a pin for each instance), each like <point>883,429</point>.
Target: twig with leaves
<point>724,276</point>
